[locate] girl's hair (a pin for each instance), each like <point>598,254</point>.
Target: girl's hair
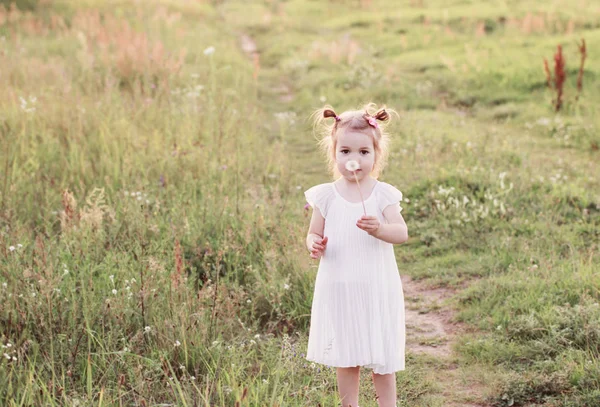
<point>355,120</point>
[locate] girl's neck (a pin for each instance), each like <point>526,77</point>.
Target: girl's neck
<point>366,181</point>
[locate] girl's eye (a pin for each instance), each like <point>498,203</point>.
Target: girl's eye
<point>365,151</point>
<point>344,151</point>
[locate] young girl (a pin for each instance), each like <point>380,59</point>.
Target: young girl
<point>357,316</point>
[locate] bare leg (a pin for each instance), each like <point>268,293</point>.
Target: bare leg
<point>385,387</point>
<point>348,379</point>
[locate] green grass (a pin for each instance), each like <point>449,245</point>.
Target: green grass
<point>185,174</point>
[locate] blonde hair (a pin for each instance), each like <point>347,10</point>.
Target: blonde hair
<point>355,120</point>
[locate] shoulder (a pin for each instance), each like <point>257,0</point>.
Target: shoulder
<point>320,196</point>
<point>320,191</point>
<point>388,195</point>
<point>387,190</point>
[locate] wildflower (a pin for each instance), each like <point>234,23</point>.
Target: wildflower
<point>28,106</point>
<point>112,278</point>
<point>209,51</point>
<point>147,329</point>
<point>11,248</point>
<point>286,286</point>
<point>114,291</point>
<point>4,285</point>
<point>177,344</point>
<point>19,245</point>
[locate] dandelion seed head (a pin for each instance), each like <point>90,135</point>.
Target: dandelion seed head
<point>352,165</point>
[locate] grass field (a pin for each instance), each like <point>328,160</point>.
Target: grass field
<point>153,160</point>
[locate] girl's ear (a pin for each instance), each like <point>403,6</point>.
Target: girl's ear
<point>382,115</point>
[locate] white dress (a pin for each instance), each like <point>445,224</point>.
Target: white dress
<point>357,315</point>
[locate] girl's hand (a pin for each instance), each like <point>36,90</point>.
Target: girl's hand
<point>318,247</point>
<point>370,224</point>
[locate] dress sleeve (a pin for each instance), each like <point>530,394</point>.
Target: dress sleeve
<point>319,196</point>
<point>389,195</point>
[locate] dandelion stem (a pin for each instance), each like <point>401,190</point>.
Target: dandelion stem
<point>361,197</point>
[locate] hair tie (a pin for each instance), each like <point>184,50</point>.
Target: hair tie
<point>337,118</point>
<point>373,122</point>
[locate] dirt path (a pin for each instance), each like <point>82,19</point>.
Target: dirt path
<point>429,321</point>
<point>431,330</point>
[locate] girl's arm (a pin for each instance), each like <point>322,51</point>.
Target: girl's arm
<point>394,232</point>
<point>316,228</point>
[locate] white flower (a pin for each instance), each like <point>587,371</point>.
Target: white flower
<point>11,248</point>
<point>4,285</point>
<point>112,278</point>
<point>177,343</point>
<point>147,329</point>
<point>209,51</point>
<point>286,286</point>
<point>28,106</point>
<point>114,291</point>
<point>352,165</point>
<point>543,121</point>
<point>19,245</point>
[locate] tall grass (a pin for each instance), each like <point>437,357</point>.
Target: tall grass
<point>151,203</point>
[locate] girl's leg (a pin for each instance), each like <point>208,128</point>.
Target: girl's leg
<point>348,380</point>
<point>385,387</point>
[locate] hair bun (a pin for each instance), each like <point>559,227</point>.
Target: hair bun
<point>329,113</point>
<point>382,115</point>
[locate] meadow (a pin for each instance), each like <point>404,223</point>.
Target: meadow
<point>153,160</point>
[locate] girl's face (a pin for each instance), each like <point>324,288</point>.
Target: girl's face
<point>353,145</point>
